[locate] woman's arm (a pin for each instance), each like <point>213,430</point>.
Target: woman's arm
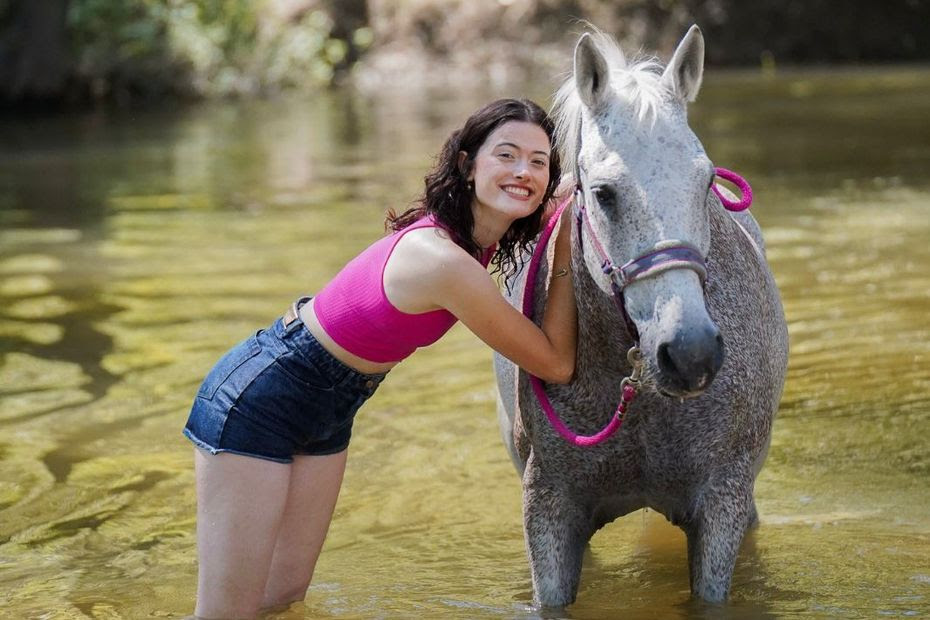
<point>560,318</point>
<point>465,289</point>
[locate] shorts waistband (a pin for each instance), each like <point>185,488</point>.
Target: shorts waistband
<point>291,322</point>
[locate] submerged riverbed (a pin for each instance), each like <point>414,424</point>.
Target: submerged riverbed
<point>135,248</point>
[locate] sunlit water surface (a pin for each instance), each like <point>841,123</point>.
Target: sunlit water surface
<point>135,248</point>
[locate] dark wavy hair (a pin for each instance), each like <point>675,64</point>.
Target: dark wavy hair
<point>448,197</point>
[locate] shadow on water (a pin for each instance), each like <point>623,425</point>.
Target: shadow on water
<point>648,576</point>
<point>46,187</point>
<point>643,571</point>
<point>71,527</point>
<point>79,343</point>
<point>75,446</point>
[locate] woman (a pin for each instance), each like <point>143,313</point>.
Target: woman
<point>272,420</point>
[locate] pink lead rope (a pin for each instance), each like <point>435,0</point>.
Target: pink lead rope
<point>628,390</point>
<point>628,385</point>
<point>536,382</point>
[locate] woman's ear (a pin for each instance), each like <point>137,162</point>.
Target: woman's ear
<point>463,168</point>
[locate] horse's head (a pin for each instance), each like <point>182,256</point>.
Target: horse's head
<point>645,181</point>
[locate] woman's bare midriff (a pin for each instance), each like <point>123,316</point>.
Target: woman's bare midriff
<point>308,316</point>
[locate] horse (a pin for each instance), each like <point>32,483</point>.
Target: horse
<point>692,319</point>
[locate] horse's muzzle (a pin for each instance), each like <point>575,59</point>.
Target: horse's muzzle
<point>690,361</point>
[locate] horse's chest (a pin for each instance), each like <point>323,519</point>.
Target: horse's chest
<point>651,454</point>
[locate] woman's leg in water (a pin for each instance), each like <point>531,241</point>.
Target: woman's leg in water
<point>240,505</point>
<point>311,499</point>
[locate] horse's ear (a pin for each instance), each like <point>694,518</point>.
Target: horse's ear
<point>685,70</point>
<point>592,74</point>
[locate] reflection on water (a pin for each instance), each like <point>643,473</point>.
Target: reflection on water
<point>135,249</point>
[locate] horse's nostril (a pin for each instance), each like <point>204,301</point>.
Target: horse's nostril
<point>664,358</point>
<point>690,362</point>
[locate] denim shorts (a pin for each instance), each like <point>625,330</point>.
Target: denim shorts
<point>278,394</point>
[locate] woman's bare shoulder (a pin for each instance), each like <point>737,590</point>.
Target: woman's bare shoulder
<point>426,268</point>
<point>430,246</point>
<point>427,259</point>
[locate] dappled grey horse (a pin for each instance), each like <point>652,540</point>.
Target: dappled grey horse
<point>706,314</point>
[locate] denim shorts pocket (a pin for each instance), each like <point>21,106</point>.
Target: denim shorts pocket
<point>228,364</point>
<point>307,371</point>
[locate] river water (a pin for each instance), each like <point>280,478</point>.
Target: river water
<point>136,247</point>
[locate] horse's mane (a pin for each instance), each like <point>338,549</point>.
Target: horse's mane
<point>637,81</point>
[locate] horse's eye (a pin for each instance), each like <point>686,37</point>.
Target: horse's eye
<point>605,195</point>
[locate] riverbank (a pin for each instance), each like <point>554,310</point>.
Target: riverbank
<point>62,53</point>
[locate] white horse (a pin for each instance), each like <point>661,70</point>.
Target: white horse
<point>706,316</point>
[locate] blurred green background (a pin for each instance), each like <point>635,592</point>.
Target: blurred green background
<point>77,51</point>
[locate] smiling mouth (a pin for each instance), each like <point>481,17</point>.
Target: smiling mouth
<point>517,192</point>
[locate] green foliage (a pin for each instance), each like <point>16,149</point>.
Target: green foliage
<point>149,48</point>
<point>202,47</point>
<point>111,32</point>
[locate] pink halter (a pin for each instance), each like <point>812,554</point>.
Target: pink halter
<point>629,384</point>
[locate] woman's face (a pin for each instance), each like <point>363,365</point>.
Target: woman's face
<point>511,170</point>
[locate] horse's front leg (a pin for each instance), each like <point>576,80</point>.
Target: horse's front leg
<point>715,532</point>
<point>557,529</point>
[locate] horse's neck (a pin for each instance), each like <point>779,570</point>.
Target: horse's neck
<point>731,240</point>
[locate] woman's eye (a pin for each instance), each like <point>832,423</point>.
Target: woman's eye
<point>505,155</point>
<point>539,162</point>
<point>605,195</point>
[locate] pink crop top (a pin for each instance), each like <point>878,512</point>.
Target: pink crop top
<point>358,316</point>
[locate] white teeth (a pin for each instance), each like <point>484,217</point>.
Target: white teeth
<point>520,191</point>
